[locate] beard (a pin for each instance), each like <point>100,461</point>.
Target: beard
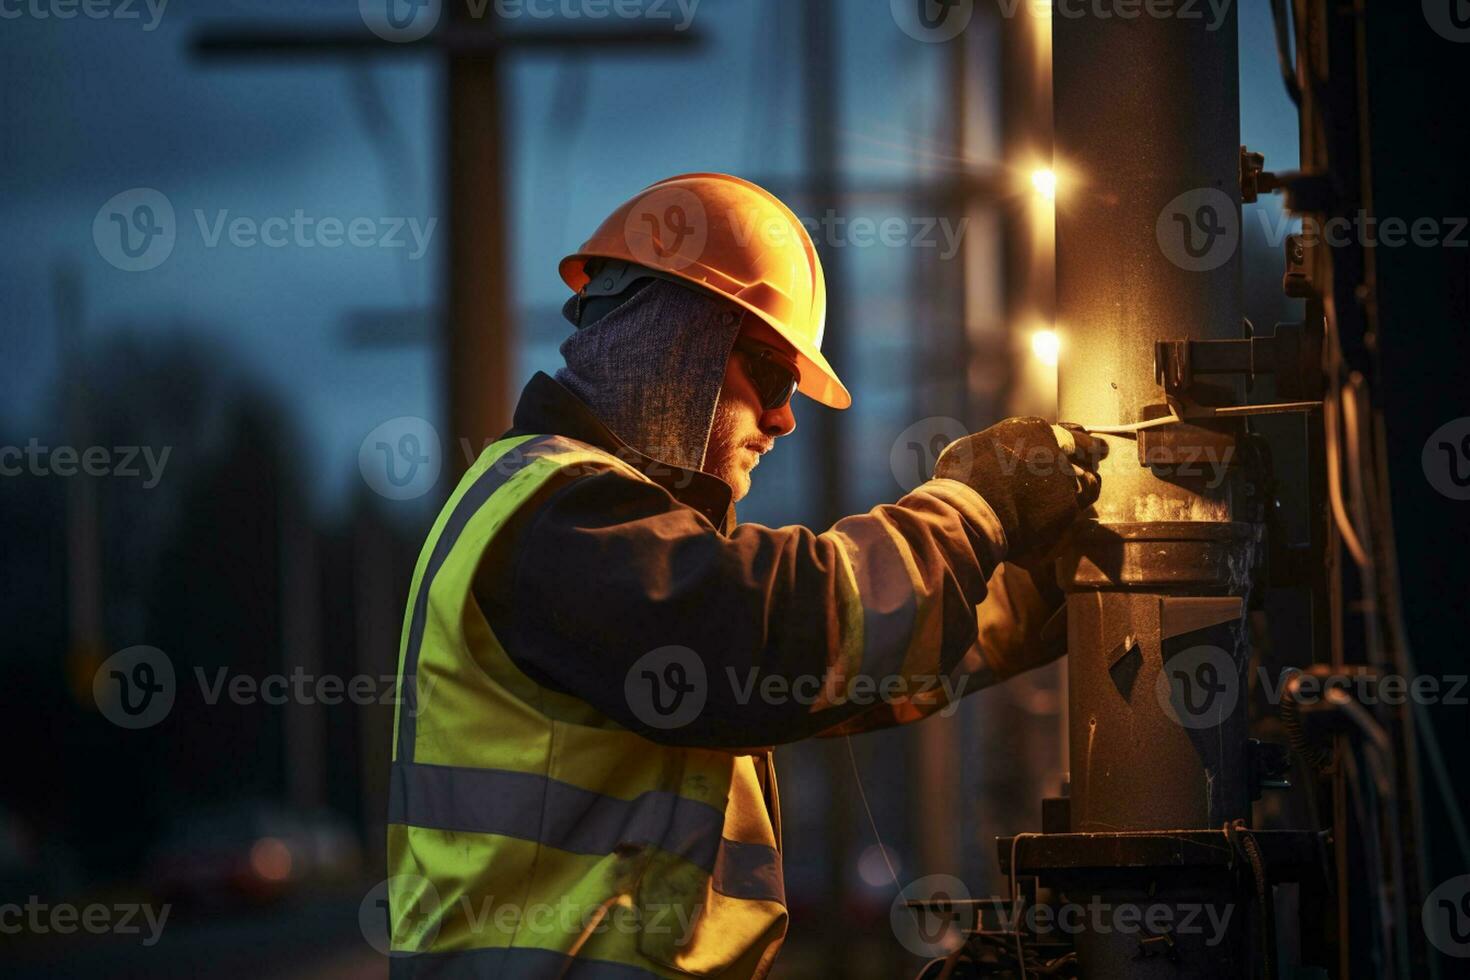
<point>724,456</point>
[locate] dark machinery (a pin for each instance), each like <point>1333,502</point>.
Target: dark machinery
<point>1165,586</point>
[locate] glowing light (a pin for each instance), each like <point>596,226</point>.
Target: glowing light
<point>1045,182</point>
<point>1045,344</point>
<point>271,859</point>
<point>874,865</point>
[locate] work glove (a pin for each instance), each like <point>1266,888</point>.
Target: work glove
<point>1037,477</point>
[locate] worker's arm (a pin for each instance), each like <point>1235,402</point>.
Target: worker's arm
<point>607,568</point>
<point>1022,624</point>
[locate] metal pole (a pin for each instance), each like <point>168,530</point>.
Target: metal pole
<point>480,342</point>
<point>1147,125</point>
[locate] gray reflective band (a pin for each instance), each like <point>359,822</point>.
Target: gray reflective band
<point>890,607</point>
<point>750,871</point>
<point>469,504</point>
<point>520,963</point>
<point>533,807</point>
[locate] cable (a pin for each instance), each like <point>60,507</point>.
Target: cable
<point>1378,753</point>
<point>1283,51</point>
<point>863,796</point>
<point>1203,413</point>
<point>1016,901</point>
<point>1242,840</point>
<point>1331,435</point>
<point>1392,608</point>
<point>1290,712</point>
<point>1350,397</point>
<point>1372,844</point>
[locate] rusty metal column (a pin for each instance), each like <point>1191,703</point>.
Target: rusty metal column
<point>1147,135</point>
<point>481,336</point>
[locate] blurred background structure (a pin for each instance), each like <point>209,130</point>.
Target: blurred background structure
<point>241,521</point>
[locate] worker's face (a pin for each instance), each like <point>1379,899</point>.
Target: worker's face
<point>742,430</point>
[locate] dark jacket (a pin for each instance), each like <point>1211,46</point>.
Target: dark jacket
<point>799,633</point>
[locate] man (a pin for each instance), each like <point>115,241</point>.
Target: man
<point>596,659</point>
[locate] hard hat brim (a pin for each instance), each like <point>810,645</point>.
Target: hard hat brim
<point>819,381</point>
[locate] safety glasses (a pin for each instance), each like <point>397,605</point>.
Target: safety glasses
<point>775,378</point>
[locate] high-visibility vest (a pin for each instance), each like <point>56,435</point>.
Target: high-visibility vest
<point>531,836</point>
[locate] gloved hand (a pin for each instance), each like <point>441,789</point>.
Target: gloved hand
<point>1037,477</point>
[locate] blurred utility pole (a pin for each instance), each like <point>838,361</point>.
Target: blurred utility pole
<point>301,640</point>
<point>822,102</point>
<point>85,635</point>
<point>1030,305</point>
<point>479,341</point>
<point>375,598</point>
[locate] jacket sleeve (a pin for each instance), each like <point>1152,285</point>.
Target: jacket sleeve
<point>780,632</point>
<point>1022,624</point>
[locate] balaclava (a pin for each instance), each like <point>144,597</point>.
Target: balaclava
<point>652,367</point>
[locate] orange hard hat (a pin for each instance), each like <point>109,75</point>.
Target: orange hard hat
<point>736,240</point>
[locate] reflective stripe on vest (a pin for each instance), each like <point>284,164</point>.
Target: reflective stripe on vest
<point>511,964</point>
<point>569,818</point>
<point>527,832</point>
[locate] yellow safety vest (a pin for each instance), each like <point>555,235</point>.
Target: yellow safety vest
<point>531,836</point>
